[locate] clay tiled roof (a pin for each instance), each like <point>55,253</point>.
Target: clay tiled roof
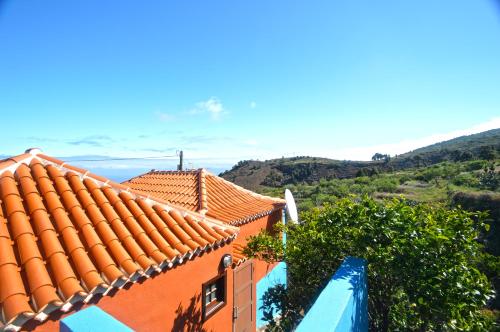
<point>180,188</point>
<point>66,235</point>
<point>200,191</point>
<point>238,255</point>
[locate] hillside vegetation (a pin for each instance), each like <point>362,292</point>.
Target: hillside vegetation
<point>257,175</point>
<point>437,183</point>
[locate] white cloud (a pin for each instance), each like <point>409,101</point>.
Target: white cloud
<point>365,153</point>
<point>212,105</point>
<point>253,104</point>
<point>165,117</point>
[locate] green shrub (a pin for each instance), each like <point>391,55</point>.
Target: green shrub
<point>422,262</point>
<point>448,171</point>
<point>361,189</point>
<point>386,184</point>
<point>305,205</point>
<point>466,180</point>
<point>362,180</point>
<point>405,178</point>
<point>338,188</point>
<point>490,179</point>
<point>474,165</point>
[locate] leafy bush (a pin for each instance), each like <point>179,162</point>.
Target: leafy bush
<point>386,184</point>
<point>466,180</point>
<point>321,199</point>
<point>338,188</point>
<point>490,179</point>
<point>426,175</point>
<point>448,170</point>
<point>362,180</point>
<point>405,178</point>
<point>421,263</point>
<point>474,165</point>
<point>306,205</point>
<point>362,189</point>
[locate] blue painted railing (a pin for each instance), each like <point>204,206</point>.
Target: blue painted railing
<point>342,306</point>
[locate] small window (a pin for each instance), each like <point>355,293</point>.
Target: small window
<point>213,296</point>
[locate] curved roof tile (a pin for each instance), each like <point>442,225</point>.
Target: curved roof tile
<point>66,235</point>
<point>238,254</point>
<point>199,190</point>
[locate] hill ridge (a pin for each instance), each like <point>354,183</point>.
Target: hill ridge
<point>255,174</point>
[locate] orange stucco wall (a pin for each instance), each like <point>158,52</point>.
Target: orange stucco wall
<point>170,301</point>
<point>253,228</point>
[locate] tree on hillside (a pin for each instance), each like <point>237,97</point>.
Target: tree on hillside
<point>490,179</point>
<point>487,153</point>
<point>379,156</point>
<point>457,155</point>
<point>421,264</point>
<point>417,160</point>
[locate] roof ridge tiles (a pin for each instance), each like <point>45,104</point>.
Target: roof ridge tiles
<point>202,191</point>
<point>186,171</point>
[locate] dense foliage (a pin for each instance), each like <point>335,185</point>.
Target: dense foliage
<point>422,263</point>
<point>436,183</point>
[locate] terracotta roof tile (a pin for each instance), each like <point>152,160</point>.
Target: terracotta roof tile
<point>238,255</point>
<point>206,193</point>
<point>180,188</point>
<point>66,235</point>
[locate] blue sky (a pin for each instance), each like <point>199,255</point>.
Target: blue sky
<point>231,80</point>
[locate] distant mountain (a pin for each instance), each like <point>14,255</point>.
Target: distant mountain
<point>255,175</point>
<point>252,174</point>
<point>483,145</point>
<point>470,142</point>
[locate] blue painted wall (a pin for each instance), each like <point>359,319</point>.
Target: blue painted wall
<point>274,277</point>
<point>92,319</point>
<point>343,305</point>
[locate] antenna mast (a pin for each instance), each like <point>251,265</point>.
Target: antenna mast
<point>181,159</point>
